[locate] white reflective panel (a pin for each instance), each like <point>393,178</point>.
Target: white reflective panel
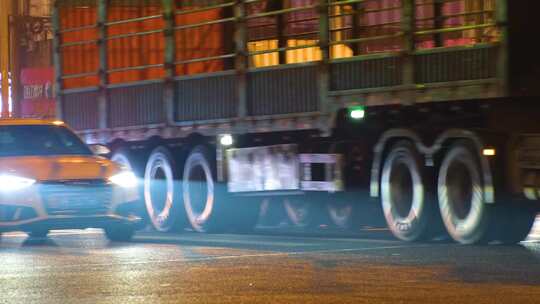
<point>263,169</point>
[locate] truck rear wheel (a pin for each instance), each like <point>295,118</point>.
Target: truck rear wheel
<point>460,190</point>
<point>208,205</point>
<point>404,197</point>
<point>161,193</point>
<point>202,206</point>
<point>516,221</point>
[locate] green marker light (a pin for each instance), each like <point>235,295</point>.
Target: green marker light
<point>357,113</point>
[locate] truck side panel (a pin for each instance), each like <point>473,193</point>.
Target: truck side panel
<point>295,59</point>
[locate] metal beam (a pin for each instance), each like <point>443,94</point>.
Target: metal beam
<point>103,65</point>
<point>438,22</point>
<point>281,24</point>
<point>356,22</point>
<point>502,54</point>
<point>408,28</point>
<point>5,10</point>
<point>323,67</point>
<point>241,62</point>
<point>170,58</point>
<point>57,61</point>
<point>15,61</point>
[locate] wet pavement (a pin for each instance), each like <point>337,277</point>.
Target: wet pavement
<point>268,267</point>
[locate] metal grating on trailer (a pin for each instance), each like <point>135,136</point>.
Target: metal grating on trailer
<point>361,74</point>
<point>206,98</point>
<point>454,65</point>
<point>80,110</point>
<point>136,105</point>
<point>282,91</point>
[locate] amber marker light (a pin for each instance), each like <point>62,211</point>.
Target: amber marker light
<point>489,152</point>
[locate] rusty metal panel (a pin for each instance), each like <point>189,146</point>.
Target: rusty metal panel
<point>455,65</point>
<point>211,97</point>
<point>136,105</point>
<point>80,110</point>
<point>370,73</point>
<point>282,91</point>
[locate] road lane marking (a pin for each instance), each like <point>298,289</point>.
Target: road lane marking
<point>55,233</point>
<point>233,238</point>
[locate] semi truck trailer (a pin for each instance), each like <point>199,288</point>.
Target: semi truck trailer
<point>428,109</point>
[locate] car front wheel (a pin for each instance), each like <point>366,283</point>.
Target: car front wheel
<point>119,233</point>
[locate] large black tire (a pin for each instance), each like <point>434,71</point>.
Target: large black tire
<point>204,209</point>
<point>162,193</point>
<point>408,209</point>
<point>119,233</point>
<point>515,221</point>
<point>208,205</point>
<point>465,215</point>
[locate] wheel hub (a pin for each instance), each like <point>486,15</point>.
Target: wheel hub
<point>459,187</point>
<point>401,190</point>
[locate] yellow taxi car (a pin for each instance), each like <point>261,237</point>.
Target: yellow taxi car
<point>50,179</point>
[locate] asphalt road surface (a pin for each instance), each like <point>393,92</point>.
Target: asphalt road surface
<point>270,267</point>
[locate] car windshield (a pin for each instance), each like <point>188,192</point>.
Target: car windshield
<point>35,140</point>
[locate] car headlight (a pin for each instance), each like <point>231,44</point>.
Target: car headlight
<point>10,183</point>
<point>125,179</point>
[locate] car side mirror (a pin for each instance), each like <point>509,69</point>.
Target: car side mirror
<point>100,149</point>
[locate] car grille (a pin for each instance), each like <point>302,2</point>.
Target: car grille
<point>76,197</point>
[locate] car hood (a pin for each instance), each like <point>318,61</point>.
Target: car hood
<point>58,167</point>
